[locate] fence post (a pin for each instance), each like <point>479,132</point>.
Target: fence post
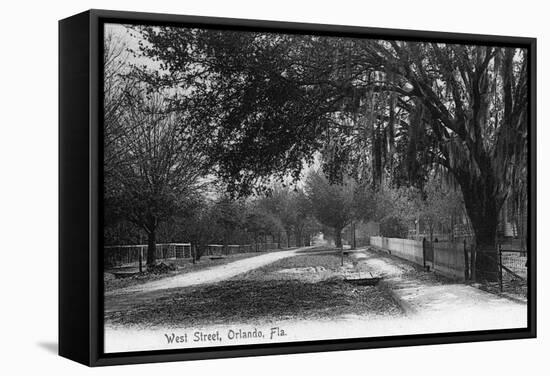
<point>140,259</point>
<point>500,265</point>
<point>424,245</point>
<point>473,262</point>
<point>467,265</point>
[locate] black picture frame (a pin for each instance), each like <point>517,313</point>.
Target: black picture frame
<point>80,196</point>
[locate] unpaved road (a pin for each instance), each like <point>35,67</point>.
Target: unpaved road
<point>431,306</point>
<point>421,294</point>
<point>210,275</point>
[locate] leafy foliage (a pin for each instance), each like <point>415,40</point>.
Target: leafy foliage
<point>375,109</point>
<point>332,205</point>
<point>442,202</point>
<point>259,106</point>
<point>393,227</point>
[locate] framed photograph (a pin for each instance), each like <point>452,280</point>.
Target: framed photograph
<point>236,187</point>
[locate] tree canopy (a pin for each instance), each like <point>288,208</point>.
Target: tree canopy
<point>377,111</point>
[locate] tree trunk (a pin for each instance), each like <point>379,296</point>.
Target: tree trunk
<point>194,253</point>
<point>486,251</point>
<point>483,206</point>
<point>298,236</point>
<point>225,249</point>
<point>353,239</point>
<point>338,238</point>
<point>151,248</point>
<point>279,240</point>
<point>288,238</point>
<point>198,251</point>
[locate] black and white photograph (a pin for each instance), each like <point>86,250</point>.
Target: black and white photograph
<point>266,187</point>
<point>255,188</point>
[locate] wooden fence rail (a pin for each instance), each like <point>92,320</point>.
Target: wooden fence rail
<point>116,256</point>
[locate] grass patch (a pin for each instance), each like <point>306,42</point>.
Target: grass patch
<point>252,301</point>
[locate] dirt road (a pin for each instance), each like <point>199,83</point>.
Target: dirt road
<point>211,275</point>
<point>431,305</point>
<point>425,295</point>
